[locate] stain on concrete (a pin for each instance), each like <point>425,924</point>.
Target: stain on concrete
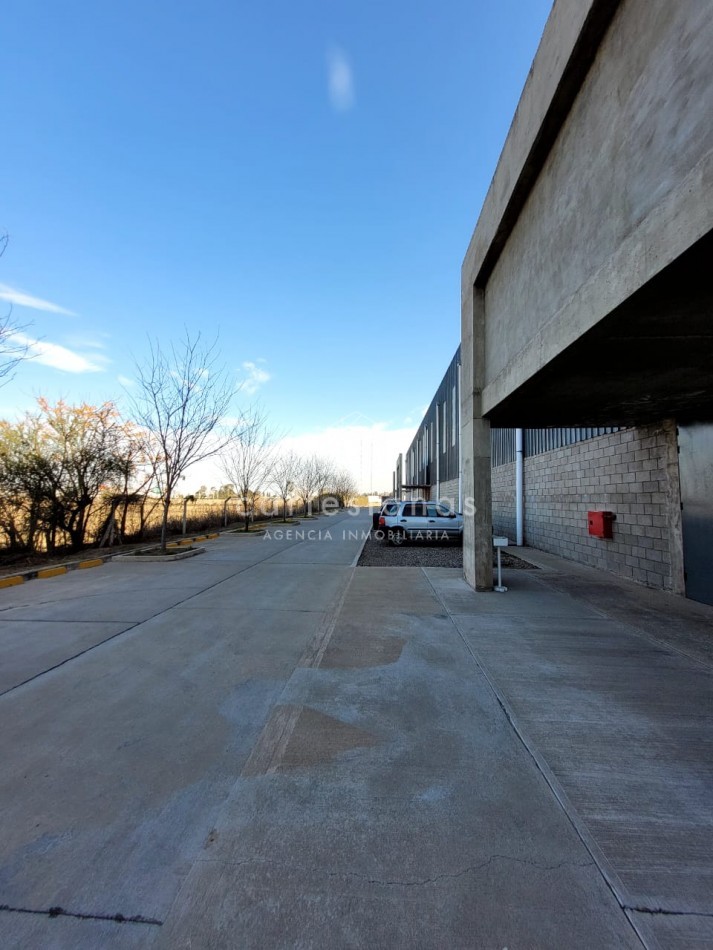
<point>300,737</point>
<point>362,651</point>
<point>319,738</point>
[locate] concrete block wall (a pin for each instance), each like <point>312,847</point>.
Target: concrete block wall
<point>503,489</point>
<point>633,473</point>
<point>449,492</point>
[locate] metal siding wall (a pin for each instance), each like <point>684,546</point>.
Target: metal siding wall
<point>538,441</point>
<point>426,473</point>
<point>502,443</point>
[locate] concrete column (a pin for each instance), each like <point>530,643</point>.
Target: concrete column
<point>475,442</point>
<point>673,507</point>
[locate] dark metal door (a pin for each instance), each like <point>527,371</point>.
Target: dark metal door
<point>696,463</point>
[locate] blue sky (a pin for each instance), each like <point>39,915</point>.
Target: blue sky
<point>301,178</point>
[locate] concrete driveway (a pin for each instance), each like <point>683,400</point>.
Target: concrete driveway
<point>267,747</point>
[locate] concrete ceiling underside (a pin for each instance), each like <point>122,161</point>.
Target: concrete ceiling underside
<point>650,358</point>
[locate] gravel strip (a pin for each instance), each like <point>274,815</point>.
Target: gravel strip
<point>412,554</point>
<point>421,554</point>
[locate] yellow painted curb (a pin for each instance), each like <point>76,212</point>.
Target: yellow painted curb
<point>11,581</point>
<point>52,571</point>
<point>209,537</point>
<point>95,562</point>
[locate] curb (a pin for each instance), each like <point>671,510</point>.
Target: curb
<point>39,573</point>
<point>159,558</point>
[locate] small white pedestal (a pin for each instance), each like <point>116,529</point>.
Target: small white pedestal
<point>500,543</point>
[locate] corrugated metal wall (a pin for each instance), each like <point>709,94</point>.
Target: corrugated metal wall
<point>537,441</point>
<point>420,459</point>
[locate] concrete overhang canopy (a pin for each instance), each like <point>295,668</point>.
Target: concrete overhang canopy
<point>585,298</point>
<point>650,358</point>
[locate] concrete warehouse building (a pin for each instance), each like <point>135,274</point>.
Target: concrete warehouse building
<point>432,466</point>
<point>546,481</point>
<point>587,300</point>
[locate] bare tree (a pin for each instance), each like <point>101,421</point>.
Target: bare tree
<point>306,481</point>
<point>343,486</point>
<point>323,474</point>
<point>13,346</point>
<point>247,460</point>
<point>182,400</point>
<point>285,472</point>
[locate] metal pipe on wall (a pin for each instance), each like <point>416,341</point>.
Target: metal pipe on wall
<point>438,451</point>
<point>519,495</point>
<point>460,442</point>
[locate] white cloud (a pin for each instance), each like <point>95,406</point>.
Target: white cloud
<point>255,377</point>
<point>340,80</point>
<point>59,357</point>
<point>125,381</point>
<point>22,299</point>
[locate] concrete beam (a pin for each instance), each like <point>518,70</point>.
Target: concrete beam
<point>673,227</point>
<point>568,46</point>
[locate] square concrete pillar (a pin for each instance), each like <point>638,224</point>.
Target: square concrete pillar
<point>475,442</point>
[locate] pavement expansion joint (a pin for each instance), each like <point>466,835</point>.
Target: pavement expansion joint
<point>665,912</point>
<point>79,915</point>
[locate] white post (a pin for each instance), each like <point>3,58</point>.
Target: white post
<point>185,505</point>
<point>500,543</point>
<point>225,511</point>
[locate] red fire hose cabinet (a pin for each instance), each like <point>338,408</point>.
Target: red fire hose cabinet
<point>601,524</point>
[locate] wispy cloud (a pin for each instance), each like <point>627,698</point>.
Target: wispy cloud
<point>255,377</point>
<point>340,80</point>
<point>21,299</point>
<point>126,381</point>
<point>60,357</point>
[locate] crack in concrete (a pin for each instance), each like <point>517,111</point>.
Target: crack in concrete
<point>79,915</point>
<point>665,912</point>
<point>446,876</point>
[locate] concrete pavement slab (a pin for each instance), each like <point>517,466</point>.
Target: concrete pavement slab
<point>395,808</point>
<point>110,607</point>
<point>104,804</point>
<point>680,623</point>
<point>321,909</point>
<point>291,587</point>
<point>30,931</point>
<point>28,647</point>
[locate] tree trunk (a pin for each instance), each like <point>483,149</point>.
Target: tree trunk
<point>164,523</point>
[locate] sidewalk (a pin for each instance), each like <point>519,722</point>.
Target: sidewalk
<point>610,687</point>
